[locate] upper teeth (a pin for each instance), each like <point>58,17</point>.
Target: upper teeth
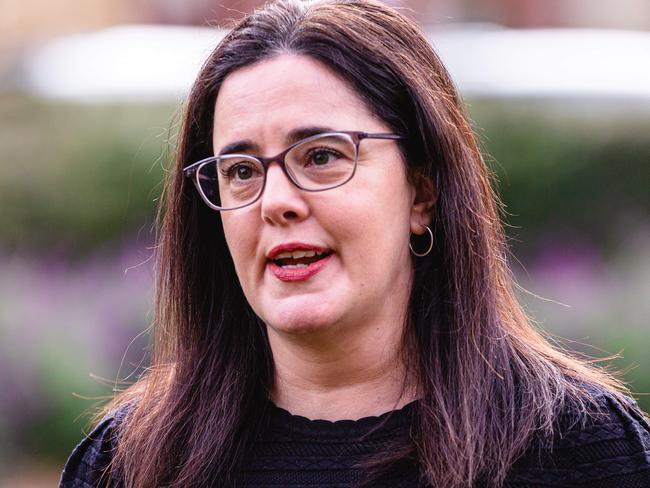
<point>298,254</point>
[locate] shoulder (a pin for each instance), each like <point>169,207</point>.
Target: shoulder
<point>88,464</point>
<point>606,446</point>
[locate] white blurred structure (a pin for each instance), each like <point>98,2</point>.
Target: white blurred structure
<point>155,62</point>
<point>136,62</point>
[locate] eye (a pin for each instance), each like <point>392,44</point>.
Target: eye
<point>242,171</point>
<point>322,156</point>
<point>239,171</point>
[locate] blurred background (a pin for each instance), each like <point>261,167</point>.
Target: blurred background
<point>90,96</point>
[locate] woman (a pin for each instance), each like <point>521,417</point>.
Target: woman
<point>334,304</point>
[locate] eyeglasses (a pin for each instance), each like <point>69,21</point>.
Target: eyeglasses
<point>317,163</point>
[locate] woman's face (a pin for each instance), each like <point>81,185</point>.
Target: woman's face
<point>361,228</point>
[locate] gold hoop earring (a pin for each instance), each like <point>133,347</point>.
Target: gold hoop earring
<point>425,253</point>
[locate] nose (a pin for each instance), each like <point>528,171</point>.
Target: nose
<point>282,202</point>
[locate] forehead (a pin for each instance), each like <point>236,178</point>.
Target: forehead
<point>272,98</point>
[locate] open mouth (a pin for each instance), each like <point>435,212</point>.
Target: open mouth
<point>299,258</point>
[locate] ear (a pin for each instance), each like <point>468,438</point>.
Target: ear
<point>426,195</point>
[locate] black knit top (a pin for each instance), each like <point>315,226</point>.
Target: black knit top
<point>610,450</point>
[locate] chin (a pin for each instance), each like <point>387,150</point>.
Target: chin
<point>306,319</point>
<point>299,328</point>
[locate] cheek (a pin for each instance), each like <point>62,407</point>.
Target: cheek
<point>240,244</point>
<point>229,231</point>
<point>377,226</point>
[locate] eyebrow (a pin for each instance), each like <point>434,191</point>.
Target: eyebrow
<point>295,135</point>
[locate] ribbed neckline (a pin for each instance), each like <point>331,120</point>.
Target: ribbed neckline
<point>379,424</point>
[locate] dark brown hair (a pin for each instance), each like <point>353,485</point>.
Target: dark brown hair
<point>488,382</point>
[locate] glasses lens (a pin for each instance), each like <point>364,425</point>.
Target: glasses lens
<point>231,181</point>
<point>322,162</point>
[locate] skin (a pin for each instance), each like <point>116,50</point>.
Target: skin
<point>336,337</point>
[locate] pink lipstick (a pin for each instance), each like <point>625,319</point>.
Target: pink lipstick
<point>297,261</point>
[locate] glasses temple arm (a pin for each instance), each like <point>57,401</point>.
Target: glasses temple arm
<point>380,135</point>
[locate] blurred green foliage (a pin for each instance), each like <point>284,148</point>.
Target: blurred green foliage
<point>66,388</point>
<point>77,176</point>
<point>577,170</point>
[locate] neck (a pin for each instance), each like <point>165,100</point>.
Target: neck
<point>341,376</point>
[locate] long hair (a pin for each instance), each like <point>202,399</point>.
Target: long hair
<point>489,384</point>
